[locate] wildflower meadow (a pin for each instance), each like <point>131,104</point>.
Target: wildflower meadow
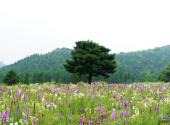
<point>83,104</point>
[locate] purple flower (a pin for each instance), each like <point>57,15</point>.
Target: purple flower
<point>17,111</point>
<point>117,98</point>
<point>0,89</point>
<point>28,111</point>
<point>118,104</point>
<point>125,103</point>
<point>81,121</point>
<point>90,122</point>
<point>25,99</point>
<point>4,116</point>
<point>124,120</point>
<point>124,113</point>
<point>121,113</point>
<point>104,120</point>
<point>100,109</point>
<point>113,116</point>
<point>39,97</point>
<point>158,109</point>
<point>18,93</point>
<point>103,113</point>
<point>26,117</point>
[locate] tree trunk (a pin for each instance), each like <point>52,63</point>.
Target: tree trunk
<point>90,79</point>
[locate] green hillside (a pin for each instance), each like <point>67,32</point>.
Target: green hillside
<point>136,66</point>
<point>141,65</point>
<point>41,67</point>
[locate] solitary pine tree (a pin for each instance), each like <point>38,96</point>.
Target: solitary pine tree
<point>11,78</point>
<point>91,59</point>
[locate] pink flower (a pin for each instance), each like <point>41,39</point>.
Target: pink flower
<point>113,115</point>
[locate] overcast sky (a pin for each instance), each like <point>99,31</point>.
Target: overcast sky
<point>39,26</point>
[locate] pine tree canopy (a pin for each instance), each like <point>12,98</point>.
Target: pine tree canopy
<point>91,59</point>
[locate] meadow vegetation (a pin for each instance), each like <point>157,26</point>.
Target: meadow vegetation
<point>83,104</point>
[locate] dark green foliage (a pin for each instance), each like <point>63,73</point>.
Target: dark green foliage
<point>11,78</point>
<point>165,76</point>
<point>91,59</point>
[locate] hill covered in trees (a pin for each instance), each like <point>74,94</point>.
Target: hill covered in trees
<point>136,66</point>
<point>40,68</point>
<point>141,66</point>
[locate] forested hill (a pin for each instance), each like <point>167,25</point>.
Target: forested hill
<point>41,67</point>
<point>1,64</point>
<point>136,66</point>
<point>141,65</point>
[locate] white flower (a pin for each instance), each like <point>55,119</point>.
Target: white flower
<point>113,110</point>
<point>20,121</point>
<point>43,99</point>
<point>59,98</point>
<point>144,104</point>
<point>136,111</point>
<point>81,95</point>
<point>16,123</point>
<point>23,113</point>
<point>51,106</point>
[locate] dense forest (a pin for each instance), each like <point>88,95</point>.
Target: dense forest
<point>139,66</point>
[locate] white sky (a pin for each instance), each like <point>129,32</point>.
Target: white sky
<point>39,26</point>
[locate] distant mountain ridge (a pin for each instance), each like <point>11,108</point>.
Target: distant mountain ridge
<point>136,66</point>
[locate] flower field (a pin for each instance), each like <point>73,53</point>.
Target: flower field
<point>82,104</point>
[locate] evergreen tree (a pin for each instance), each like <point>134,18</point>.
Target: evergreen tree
<point>11,78</point>
<point>165,76</point>
<point>91,59</point>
